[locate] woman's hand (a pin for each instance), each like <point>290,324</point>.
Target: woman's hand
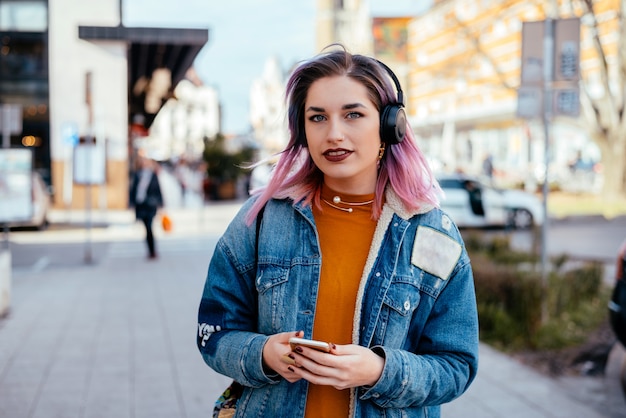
<point>275,352</point>
<point>346,366</point>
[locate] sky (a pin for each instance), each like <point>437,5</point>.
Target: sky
<point>243,35</point>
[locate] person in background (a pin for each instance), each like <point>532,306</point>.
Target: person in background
<point>475,197</point>
<point>352,250</point>
<point>146,198</point>
<point>488,167</point>
<point>186,178</point>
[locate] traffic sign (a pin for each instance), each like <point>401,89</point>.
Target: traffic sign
<point>554,44</point>
<point>69,133</point>
<point>11,120</point>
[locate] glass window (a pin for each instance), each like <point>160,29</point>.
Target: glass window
<point>23,55</point>
<point>451,184</point>
<point>23,15</point>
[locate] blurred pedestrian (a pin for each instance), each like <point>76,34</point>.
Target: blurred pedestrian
<point>475,197</point>
<point>184,175</point>
<point>488,167</point>
<point>146,198</point>
<point>346,245</point>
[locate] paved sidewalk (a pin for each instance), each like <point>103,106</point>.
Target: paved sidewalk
<point>115,339</point>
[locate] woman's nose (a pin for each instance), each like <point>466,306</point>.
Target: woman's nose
<point>335,133</point>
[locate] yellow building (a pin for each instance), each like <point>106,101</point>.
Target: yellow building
<point>464,71</point>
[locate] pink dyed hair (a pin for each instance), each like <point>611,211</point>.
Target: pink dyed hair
<point>295,176</point>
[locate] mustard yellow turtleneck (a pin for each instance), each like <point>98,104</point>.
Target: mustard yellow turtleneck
<point>345,239</point>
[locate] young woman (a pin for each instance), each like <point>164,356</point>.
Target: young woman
<point>352,250</point>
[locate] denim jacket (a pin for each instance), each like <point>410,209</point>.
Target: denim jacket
<point>416,308</point>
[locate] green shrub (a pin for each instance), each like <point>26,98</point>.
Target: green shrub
<point>498,327</point>
<point>498,248</point>
<point>511,297</point>
<point>505,292</point>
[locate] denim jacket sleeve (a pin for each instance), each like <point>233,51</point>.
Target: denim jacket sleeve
<point>227,337</point>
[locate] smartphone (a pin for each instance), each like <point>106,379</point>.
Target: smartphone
<point>316,345</point>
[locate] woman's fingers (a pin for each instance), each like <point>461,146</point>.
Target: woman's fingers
<point>274,352</point>
<point>346,366</point>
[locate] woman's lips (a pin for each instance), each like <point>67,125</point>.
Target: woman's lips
<point>337,155</point>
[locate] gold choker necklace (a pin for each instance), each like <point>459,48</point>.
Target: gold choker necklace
<point>337,200</point>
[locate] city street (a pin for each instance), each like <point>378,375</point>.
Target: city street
<point>114,337</point>
<point>114,104</point>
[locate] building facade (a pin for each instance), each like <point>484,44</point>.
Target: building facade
<point>24,75</point>
<point>81,78</point>
<point>464,74</point>
<point>344,21</point>
<point>188,118</point>
<point>267,109</point>
<point>88,98</point>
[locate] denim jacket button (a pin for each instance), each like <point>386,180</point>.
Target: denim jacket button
<point>407,305</point>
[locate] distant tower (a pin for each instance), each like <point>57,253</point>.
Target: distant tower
<point>344,21</point>
<point>267,108</point>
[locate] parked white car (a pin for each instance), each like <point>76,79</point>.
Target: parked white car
<point>472,203</point>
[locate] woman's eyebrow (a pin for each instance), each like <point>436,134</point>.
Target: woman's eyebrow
<point>344,107</point>
<point>352,106</point>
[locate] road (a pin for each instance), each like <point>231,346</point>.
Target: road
<point>68,243</point>
<point>581,238</point>
<point>585,238</point>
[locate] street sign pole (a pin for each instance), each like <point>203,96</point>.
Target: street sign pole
<point>91,139</point>
<point>6,142</point>
<point>548,76</point>
<point>549,87</point>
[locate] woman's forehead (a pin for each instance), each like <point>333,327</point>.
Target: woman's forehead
<point>337,90</point>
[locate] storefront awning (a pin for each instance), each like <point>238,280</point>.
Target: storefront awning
<point>150,49</point>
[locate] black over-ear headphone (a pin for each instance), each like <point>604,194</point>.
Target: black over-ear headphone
<point>393,116</point>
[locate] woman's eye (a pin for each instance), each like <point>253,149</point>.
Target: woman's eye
<point>353,115</point>
<point>316,118</point>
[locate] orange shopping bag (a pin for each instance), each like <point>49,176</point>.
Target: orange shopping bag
<point>166,222</point>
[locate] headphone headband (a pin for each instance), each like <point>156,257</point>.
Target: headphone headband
<point>395,81</point>
<point>393,116</point>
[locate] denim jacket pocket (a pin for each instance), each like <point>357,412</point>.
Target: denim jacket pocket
<point>271,285</point>
<point>402,299</point>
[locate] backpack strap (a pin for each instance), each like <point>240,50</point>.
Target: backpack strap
<point>259,218</point>
<point>227,402</point>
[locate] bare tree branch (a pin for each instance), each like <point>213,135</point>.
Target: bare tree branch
<point>621,54</point>
<point>610,106</point>
<point>592,113</point>
<point>481,52</point>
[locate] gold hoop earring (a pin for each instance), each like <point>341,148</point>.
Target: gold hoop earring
<point>381,151</point>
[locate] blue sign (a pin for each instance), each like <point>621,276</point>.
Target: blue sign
<point>69,133</point>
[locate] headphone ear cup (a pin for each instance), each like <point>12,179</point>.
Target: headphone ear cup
<point>393,124</point>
